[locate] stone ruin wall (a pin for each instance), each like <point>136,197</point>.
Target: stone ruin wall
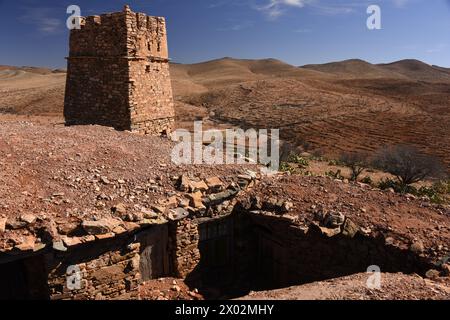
<point>186,253</point>
<point>118,74</point>
<point>109,270</point>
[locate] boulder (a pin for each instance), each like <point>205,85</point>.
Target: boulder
<point>67,228</point>
<point>330,232</point>
<point>215,184</point>
<point>417,247</point>
<point>28,218</point>
<point>184,184</point>
<point>200,186</point>
<point>59,246</point>
<point>149,214</point>
<point>178,214</point>
<point>432,274</point>
<point>69,242</point>
<point>195,199</point>
<point>15,224</point>
<point>102,226</point>
<point>218,198</point>
<point>119,208</point>
<point>27,244</point>
<point>333,220</point>
<point>349,229</point>
<point>287,206</point>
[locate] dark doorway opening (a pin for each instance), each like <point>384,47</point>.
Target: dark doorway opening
<point>24,279</point>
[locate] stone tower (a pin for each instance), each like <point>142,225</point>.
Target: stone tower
<point>118,74</point>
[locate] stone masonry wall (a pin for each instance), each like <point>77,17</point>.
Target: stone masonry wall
<point>151,103</point>
<point>186,254</point>
<point>118,74</point>
<point>286,254</point>
<point>109,270</point>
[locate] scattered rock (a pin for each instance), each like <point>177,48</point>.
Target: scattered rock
<point>67,228</point>
<point>59,246</point>
<point>172,202</point>
<point>246,177</point>
<point>119,230</point>
<point>28,218</point>
<point>178,214</point>
<point>70,242</point>
<point>119,208</point>
<point>333,220</point>
<point>176,288</point>
<point>134,216</point>
<point>184,184</point>
<point>349,228</point>
<point>3,224</point>
<point>287,206</point>
<point>330,232</point>
<point>105,180</point>
<point>432,274</point>
<point>214,184</point>
<point>199,186</point>
<point>149,214</point>
<point>195,200</point>
<point>417,247</point>
<point>15,224</point>
<point>389,241</point>
<point>218,198</point>
<point>27,244</point>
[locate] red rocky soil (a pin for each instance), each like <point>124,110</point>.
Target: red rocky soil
<point>403,220</point>
<point>54,177</point>
<point>168,289</point>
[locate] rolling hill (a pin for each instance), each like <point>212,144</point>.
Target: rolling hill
<point>329,108</point>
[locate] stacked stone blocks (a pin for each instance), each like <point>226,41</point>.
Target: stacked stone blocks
<point>118,74</point>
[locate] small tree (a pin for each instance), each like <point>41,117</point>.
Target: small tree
<point>408,164</point>
<point>357,162</point>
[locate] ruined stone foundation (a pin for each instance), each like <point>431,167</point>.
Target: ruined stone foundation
<point>118,74</point>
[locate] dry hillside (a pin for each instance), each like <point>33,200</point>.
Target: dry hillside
<point>348,105</point>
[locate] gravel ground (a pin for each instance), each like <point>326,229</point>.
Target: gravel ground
<point>64,175</point>
<point>393,287</point>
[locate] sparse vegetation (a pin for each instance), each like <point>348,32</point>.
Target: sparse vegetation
<point>408,164</point>
<point>286,167</point>
<point>357,162</point>
<point>335,174</point>
<point>437,193</point>
<point>303,162</point>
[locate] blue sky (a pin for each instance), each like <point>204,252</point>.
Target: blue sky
<point>33,32</point>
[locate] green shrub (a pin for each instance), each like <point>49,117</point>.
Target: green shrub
<point>442,187</point>
<point>396,185</point>
<point>434,193</point>
<point>286,167</point>
<point>293,158</point>
<point>335,174</point>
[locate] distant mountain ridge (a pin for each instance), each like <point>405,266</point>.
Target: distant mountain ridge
<point>404,69</point>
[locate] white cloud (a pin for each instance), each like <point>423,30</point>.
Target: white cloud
<point>276,8</point>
